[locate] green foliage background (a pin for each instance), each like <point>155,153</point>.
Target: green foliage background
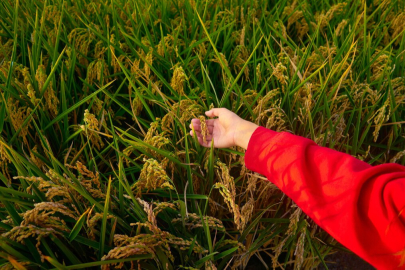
<point>97,164</point>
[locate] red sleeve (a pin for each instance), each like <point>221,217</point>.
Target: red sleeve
<point>360,205</point>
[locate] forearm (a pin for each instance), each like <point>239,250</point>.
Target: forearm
<point>356,203</point>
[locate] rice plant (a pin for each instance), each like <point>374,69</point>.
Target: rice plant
<point>97,165</point>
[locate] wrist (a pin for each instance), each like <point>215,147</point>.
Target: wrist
<point>243,133</point>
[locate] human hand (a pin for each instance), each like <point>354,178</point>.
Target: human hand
<point>227,130</point>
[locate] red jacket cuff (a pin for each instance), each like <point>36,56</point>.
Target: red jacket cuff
<point>260,139</point>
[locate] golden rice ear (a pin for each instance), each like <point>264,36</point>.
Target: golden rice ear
<point>4,161</point>
<point>152,176</point>
<point>148,63</point>
<point>381,116</point>
<point>40,222</point>
<point>397,156</point>
<point>279,71</point>
<point>17,116</point>
<point>299,249</point>
<point>92,223</point>
<point>193,221</point>
<point>178,79</point>
<point>340,27</point>
<point>204,129</point>
<point>91,128</point>
<point>397,27</point>
<point>20,233</point>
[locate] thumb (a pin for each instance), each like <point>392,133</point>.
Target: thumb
<point>212,112</point>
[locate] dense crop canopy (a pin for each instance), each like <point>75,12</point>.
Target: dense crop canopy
<point>97,166</point>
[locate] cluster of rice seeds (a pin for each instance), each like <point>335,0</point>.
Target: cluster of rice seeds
<point>204,129</point>
<point>20,233</point>
<point>91,128</point>
<point>194,221</point>
<point>4,160</point>
<point>51,100</point>
<point>227,189</point>
<point>178,79</point>
<point>17,115</point>
<point>43,215</point>
<point>126,246</point>
<point>152,176</point>
<point>93,222</point>
<point>292,228</point>
<point>89,180</point>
